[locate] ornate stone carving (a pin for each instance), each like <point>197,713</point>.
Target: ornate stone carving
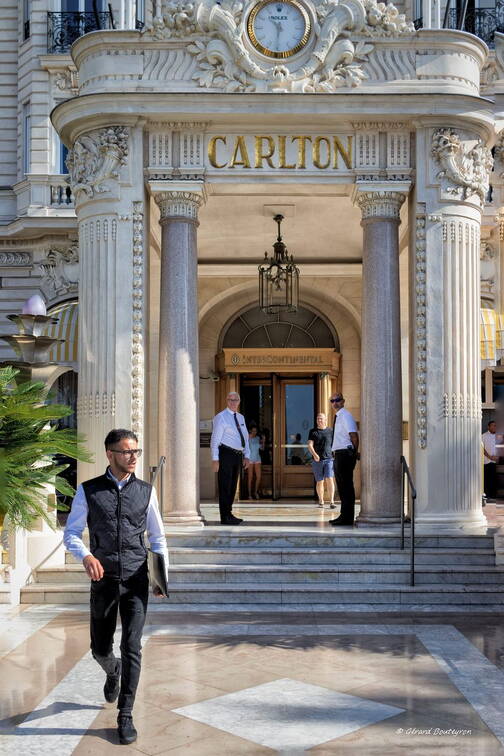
<point>380,204</point>
<point>466,171</point>
<point>15,259</point>
<point>488,271</point>
<point>226,60</point>
<point>421,332</point>
<point>137,349</point>
<point>96,158</point>
<point>67,80</point>
<point>60,271</point>
<point>179,205</point>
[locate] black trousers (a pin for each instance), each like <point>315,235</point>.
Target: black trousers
<point>344,464</point>
<point>129,598</point>
<point>490,480</point>
<point>230,465</point>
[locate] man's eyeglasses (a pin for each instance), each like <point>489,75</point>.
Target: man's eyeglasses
<point>128,452</point>
<point>336,399</point>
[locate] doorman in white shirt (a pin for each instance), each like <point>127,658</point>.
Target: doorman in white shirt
<point>118,508</point>
<point>345,448</point>
<point>490,461</point>
<point>230,452</point>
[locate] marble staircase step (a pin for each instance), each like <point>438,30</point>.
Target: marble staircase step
<point>329,556</point>
<point>435,596</point>
<point>240,574</point>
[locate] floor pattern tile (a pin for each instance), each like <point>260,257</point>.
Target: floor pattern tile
<point>287,715</point>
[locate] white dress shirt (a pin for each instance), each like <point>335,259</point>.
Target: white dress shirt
<point>489,442</point>
<point>224,431</point>
<point>77,521</point>
<point>344,425</point>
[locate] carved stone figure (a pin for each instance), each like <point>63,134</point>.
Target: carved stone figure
<point>60,271</point>
<point>488,272</point>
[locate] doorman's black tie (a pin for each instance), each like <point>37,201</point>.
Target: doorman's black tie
<point>239,430</point>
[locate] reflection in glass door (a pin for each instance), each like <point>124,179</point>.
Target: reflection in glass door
<point>297,403</point>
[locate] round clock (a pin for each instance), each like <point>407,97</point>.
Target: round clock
<point>279,29</point>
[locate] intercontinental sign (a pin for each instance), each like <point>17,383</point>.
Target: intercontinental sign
<point>278,360</point>
<point>284,152</point>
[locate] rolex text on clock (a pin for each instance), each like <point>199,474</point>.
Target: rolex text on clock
<point>279,30</point>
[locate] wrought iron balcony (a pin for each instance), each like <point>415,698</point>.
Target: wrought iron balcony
<point>483,22</point>
<point>64,28</point>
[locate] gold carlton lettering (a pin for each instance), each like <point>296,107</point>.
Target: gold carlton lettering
<point>212,151</point>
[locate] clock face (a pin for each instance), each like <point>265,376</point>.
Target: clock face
<point>280,29</point>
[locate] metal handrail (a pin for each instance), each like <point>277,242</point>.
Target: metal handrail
<point>411,495</point>
<point>154,473</point>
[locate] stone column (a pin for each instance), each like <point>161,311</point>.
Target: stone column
<point>106,168</point>
<point>381,412</point>
<point>178,353</point>
<point>452,181</point>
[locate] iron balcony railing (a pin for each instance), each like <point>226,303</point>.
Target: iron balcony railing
<point>64,28</point>
<point>482,22</point>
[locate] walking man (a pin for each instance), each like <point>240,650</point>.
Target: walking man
<point>117,508</point>
<point>345,446</point>
<point>230,452</point>
<point>490,461</point>
<point>320,446</point>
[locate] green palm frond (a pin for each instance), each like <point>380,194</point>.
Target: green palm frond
<point>28,446</point>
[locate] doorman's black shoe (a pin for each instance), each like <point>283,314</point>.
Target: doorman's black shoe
<point>340,521</point>
<point>231,520</point>
<point>111,687</point>
<point>125,729</point>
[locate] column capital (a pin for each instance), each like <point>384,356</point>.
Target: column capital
<point>181,200</point>
<point>379,203</point>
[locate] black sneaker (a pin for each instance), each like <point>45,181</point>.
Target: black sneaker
<point>111,687</point>
<point>125,729</point>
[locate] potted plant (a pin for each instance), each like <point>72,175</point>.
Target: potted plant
<point>28,444</point>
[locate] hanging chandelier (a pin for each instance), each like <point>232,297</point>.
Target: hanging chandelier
<point>278,278</point>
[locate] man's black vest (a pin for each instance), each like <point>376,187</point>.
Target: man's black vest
<point>116,522</point>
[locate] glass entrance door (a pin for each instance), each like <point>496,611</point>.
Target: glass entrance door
<point>297,409</point>
<point>283,409</point>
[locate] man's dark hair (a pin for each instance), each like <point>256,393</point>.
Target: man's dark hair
<point>118,434</point>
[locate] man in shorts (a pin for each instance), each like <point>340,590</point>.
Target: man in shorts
<point>319,444</point>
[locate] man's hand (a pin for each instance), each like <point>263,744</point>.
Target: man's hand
<point>93,567</point>
<point>246,463</point>
<point>215,465</point>
<point>316,458</point>
<point>157,592</point>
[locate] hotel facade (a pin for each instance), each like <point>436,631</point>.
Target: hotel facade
<point>147,149</point>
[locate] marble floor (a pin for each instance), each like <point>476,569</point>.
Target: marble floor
<point>225,684</point>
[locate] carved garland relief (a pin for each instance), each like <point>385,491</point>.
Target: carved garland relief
<point>465,171</point>
<point>95,158</point>
<point>226,60</point>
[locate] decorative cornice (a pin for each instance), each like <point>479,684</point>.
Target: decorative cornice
<point>465,170</point>
<point>380,204</point>
<point>179,204</point>
<point>15,259</point>
<point>95,158</point>
<point>137,347</point>
<point>378,125</point>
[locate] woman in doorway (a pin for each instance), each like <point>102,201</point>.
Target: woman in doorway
<point>254,468</point>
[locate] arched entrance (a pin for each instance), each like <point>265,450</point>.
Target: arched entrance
<point>284,367</point>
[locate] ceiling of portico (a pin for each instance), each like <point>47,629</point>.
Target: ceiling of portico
<point>321,224</point>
